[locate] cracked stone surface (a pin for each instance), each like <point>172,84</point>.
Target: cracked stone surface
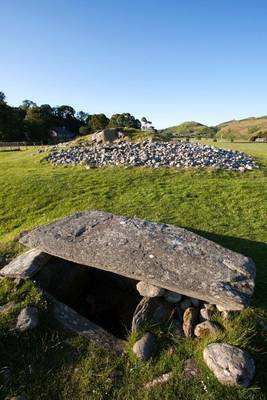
<point>230,365</point>
<point>163,255</point>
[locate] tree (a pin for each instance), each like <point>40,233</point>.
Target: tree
<point>26,104</point>
<point>146,125</point>
<point>124,120</point>
<point>65,111</point>
<point>2,98</point>
<point>82,116</point>
<point>97,122</point>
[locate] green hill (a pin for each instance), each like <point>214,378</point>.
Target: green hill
<point>244,129</point>
<point>190,128</point>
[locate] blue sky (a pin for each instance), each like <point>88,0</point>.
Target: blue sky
<point>170,61</point>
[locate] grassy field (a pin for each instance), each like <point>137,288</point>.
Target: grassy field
<point>227,207</point>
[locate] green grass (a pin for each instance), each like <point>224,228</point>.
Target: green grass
<point>227,207</point>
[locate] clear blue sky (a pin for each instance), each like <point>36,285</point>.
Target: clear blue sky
<point>169,60</point>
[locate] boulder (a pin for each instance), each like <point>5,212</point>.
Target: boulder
<point>206,314</point>
<point>206,328</point>
<point>147,290</point>
<point>27,319</point>
<point>145,347</point>
<point>190,320</point>
<point>26,265</point>
<point>107,135</point>
<point>172,297</point>
<point>164,255</point>
<point>151,311</point>
<point>230,365</point>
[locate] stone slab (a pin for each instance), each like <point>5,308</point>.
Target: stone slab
<point>164,255</point>
<point>26,265</point>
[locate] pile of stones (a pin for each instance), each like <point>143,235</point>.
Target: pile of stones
<point>190,318</point>
<point>153,154</point>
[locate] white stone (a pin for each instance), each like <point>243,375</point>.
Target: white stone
<point>230,365</point>
<point>147,290</point>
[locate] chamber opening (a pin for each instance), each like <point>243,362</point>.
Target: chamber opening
<point>105,298</point>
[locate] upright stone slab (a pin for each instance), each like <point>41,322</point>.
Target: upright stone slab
<point>164,255</point>
<point>26,265</point>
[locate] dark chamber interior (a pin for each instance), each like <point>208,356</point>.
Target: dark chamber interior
<point>103,297</point>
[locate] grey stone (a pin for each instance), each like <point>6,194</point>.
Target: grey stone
<point>6,374</point>
<point>17,398</point>
<point>152,154</point>
<point>106,135</point>
<point>172,297</point>
<point>230,365</point>
<point>74,322</point>
<point>159,380</point>
<point>26,265</point>
<point>151,311</point>
<point>230,315</point>
<point>27,319</point>
<point>147,290</point>
<point>195,302</point>
<point>206,314</point>
<point>190,320</point>
<point>163,255</point>
<point>7,307</point>
<point>145,347</point>
<point>185,304</point>
<point>210,307</point>
<point>191,369</point>
<point>206,328</point>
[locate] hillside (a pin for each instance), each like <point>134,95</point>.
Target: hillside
<point>243,129</point>
<point>190,128</point>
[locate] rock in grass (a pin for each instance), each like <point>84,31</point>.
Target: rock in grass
<point>191,369</point>
<point>145,347</point>
<point>151,311</point>
<point>7,307</point>
<point>147,290</point>
<point>163,255</point>
<point>190,320</point>
<point>27,319</point>
<point>206,328</point>
<point>230,365</point>
<point>159,380</point>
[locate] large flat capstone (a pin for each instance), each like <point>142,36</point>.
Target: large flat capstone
<point>164,255</point>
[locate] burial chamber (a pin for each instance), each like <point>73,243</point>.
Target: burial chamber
<point>91,262</point>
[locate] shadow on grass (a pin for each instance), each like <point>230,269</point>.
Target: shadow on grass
<point>255,250</point>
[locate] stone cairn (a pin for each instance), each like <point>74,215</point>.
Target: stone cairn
<point>153,154</point>
<point>191,318</point>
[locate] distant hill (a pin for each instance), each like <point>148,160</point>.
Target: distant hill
<point>243,129</point>
<point>191,128</point>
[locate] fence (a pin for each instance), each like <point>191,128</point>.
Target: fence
<point>18,145</point>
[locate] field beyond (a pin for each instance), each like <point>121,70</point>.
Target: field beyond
<point>227,207</point>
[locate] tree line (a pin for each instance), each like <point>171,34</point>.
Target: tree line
<point>30,122</point>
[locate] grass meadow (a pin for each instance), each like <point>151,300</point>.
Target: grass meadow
<point>227,207</point>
